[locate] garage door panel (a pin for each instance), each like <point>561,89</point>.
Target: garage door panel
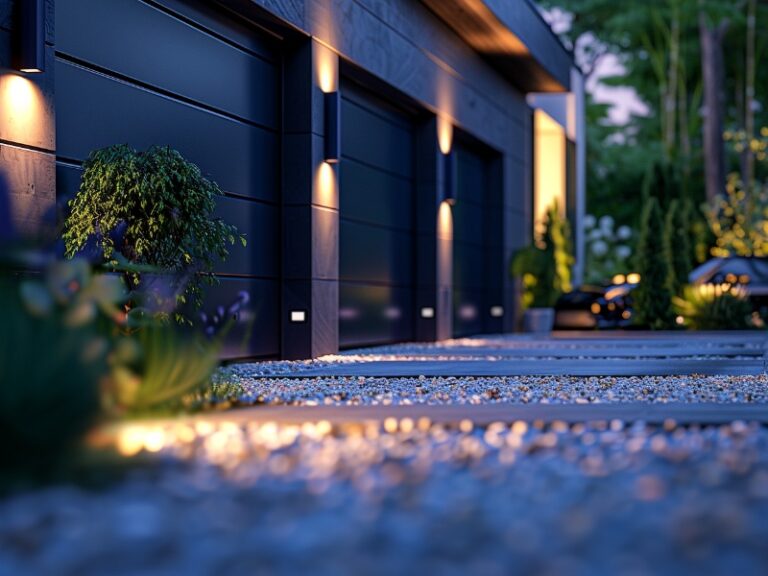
<point>204,83</point>
<point>469,266</point>
<point>468,223</point>
<point>256,331</point>
<point>478,240</point>
<point>169,54</point>
<point>385,200</point>
<point>372,140</point>
<point>260,224</point>
<point>371,314</point>
<point>469,310</point>
<point>94,111</point>
<point>377,247</point>
<point>375,254</point>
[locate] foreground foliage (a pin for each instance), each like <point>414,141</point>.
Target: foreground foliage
<point>53,360</point>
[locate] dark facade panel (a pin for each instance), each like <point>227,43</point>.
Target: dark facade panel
<point>170,55</point>
<point>94,111</point>
<point>134,72</point>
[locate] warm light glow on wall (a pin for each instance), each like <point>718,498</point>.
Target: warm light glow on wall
<point>445,244</point>
<point>325,185</point>
<point>445,99</point>
<point>444,134</point>
<point>549,166</point>
<point>327,68</point>
<point>22,108</point>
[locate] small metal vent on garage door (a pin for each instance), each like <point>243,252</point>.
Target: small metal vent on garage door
<point>376,244</point>
<point>186,75</point>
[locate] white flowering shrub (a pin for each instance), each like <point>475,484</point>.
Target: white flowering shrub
<point>608,249</point>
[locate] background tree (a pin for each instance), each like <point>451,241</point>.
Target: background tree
<point>653,296</point>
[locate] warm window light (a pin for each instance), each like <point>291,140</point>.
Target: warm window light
<point>427,312</point>
<point>298,315</point>
<point>31,46</point>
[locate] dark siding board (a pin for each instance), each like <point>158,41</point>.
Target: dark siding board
<point>385,198</point>
<point>257,330</point>
<point>371,314</point>
<point>374,254</point>
<point>169,55</point>
<point>94,111</point>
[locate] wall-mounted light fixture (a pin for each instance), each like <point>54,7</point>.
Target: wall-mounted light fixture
<point>428,312</point>
<point>298,316</point>
<point>30,53</point>
<point>449,178</point>
<point>332,103</point>
<point>497,311</point>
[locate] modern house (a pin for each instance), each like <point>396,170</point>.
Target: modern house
<point>384,157</point>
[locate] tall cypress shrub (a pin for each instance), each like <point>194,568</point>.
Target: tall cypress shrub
<point>653,297</point>
<point>678,246</point>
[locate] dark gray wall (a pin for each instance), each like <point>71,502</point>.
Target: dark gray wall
<point>187,76</point>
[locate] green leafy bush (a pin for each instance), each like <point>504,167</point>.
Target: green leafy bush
<point>156,368</point>
<point>653,296</point>
<point>545,266</point>
<point>155,208</point>
<point>710,307</point>
<point>53,360</point>
<point>739,219</point>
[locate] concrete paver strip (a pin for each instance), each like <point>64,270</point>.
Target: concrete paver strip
<point>566,367</point>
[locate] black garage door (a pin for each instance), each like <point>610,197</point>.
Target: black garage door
<point>477,244</point>
<point>376,259</point>
<point>192,77</point>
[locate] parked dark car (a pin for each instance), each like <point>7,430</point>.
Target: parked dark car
<point>601,307</point>
<point>750,273</point>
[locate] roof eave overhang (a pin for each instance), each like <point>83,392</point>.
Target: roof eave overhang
<point>513,37</point>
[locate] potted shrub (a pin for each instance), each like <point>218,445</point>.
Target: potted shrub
<point>544,268</point>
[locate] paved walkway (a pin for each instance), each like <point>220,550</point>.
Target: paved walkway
<point>562,354</point>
